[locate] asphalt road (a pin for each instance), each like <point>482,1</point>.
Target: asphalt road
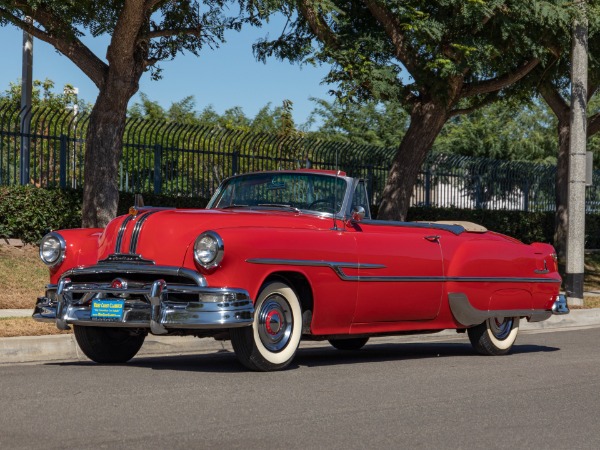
<point>419,394</point>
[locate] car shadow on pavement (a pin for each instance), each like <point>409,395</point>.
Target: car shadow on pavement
<point>225,361</point>
<point>399,352</point>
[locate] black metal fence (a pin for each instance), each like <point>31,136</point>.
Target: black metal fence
<point>46,147</point>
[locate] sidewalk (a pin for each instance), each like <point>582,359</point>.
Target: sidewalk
<point>64,347</point>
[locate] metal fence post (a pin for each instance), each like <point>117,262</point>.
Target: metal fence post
<point>157,169</point>
<point>478,195</point>
<point>235,162</point>
<point>526,196</point>
<point>428,187</point>
<point>62,161</point>
<point>370,184</point>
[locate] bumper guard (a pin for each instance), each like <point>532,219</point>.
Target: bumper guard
<point>216,308</point>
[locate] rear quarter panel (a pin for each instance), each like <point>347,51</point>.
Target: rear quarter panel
<point>493,257</point>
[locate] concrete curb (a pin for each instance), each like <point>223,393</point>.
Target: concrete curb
<point>9,313</point>
<point>64,348</point>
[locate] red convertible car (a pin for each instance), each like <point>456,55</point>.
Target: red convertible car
<point>282,256</point>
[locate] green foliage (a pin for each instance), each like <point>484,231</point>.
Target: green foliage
<point>367,123</point>
<point>28,213</point>
<point>278,120</point>
<point>43,95</point>
<point>512,131</point>
<point>432,41</point>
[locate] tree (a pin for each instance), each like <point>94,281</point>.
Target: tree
<point>554,87</point>
<point>181,111</point>
<point>503,130</point>
<point>437,59</point>
<point>43,96</point>
<point>367,123</point>
<point>143,33</point>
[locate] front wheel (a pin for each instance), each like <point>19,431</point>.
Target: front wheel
<point>495,336</point>
<point>109,345</point>
<point>273,339</point>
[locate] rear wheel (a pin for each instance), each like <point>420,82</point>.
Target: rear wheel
<point>349,344</point>
<point>273,339</point>
<point>495,336</point>
<point>109,345</point>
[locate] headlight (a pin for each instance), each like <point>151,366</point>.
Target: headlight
<point>208,249</point>
<point>52,249</point>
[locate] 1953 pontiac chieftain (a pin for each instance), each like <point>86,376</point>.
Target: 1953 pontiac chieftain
<point>282,256</point>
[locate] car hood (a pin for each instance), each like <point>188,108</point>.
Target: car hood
<point>164,235</point>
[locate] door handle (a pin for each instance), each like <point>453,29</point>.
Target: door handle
<point>433,238</point>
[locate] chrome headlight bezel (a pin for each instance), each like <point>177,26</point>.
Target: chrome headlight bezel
<point>60,246</point>
<point>209,250</point>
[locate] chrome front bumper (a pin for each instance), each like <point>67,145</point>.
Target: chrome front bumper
<point>147,306</point>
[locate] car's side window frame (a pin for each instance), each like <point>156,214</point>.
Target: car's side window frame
<point>359,186</point>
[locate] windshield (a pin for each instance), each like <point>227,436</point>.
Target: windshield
<point>304,191</point>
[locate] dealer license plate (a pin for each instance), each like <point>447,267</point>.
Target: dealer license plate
<point>104,310</point>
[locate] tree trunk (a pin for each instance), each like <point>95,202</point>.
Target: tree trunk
<point>426,122</point>
<point>104,148</point>
<point>562,189</point>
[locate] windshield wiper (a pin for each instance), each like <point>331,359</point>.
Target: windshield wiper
<point>234,206</point>
<point>279,205</point>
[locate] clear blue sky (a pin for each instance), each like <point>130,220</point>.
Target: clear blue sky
<point>225,77</point>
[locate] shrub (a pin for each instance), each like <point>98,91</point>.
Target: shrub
<point>28,212</point>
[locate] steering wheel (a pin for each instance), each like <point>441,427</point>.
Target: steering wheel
<point>322,204</point>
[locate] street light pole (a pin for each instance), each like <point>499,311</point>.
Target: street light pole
<point>577,162</point>
<point>26,92</point>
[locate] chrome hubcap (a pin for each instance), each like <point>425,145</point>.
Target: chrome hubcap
<point>275,323</point>
<point>501,327</point>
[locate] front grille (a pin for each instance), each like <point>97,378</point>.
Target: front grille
<point>136,278</point>
<point>101,277</point>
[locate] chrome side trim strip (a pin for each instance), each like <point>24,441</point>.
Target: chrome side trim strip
<point>314,263</point>
<point>137,230</point>
<point>338,266</point>
<point>502,280</point>
<point>121,233</point>
<point>467,315</point>
<point>335,266</point>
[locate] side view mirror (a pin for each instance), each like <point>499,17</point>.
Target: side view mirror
<point>358,214</point>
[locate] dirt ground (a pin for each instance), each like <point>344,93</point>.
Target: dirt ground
<point>23,278</point>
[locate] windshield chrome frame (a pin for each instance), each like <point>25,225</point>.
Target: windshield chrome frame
<point>346,200</point>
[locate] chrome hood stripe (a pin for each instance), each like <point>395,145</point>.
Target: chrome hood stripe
<point>121,233</point>
<point>135,235</point>
<point>137,230</point>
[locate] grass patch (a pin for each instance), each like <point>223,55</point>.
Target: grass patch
<point>24,277</point>
<point>26,326</point>
<point>591,281</point>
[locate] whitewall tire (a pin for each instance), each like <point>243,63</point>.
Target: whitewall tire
<point>495,336</point>
<point>272,341</point>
